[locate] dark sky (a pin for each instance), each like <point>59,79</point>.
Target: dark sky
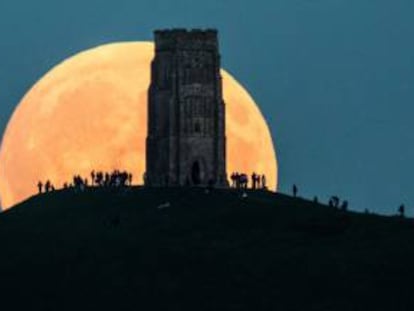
<point>334,78</point>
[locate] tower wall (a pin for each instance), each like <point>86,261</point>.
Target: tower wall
<point>186,114</point>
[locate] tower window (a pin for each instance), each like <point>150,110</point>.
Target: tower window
<point>197,127</point>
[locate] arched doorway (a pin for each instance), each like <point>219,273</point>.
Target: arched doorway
<point>196,173</point>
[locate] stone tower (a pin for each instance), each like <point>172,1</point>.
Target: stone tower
<point>186,143</point>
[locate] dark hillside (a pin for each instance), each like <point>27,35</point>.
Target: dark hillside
<point>116,250</point>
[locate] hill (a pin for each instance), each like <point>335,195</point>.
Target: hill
<point>106,249</point>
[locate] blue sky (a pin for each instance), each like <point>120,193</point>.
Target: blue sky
<point>334,78</point>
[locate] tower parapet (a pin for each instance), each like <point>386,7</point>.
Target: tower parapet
<point>182,39</point>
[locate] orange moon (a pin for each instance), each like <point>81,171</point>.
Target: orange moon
<point>90,112</point>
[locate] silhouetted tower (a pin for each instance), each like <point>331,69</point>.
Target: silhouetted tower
<point>186,143</point>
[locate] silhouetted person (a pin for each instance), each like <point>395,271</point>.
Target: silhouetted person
<point>315,200</point>
<point>244,181</point>
<point>237,179</point>
<point>48,186</point>
<point>254,181</point>
<point>295,190</point>
<point>40,186</point>
<point>99,178</point>
<point>233,180</point>
<point>401,210</point>
<point>264,182</point>
<point>335,201</point>
<point>344,205</point>
<point>130,179</point>
<point>76,181</point>
<point>93,177</point>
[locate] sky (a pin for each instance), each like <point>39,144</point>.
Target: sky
<point>333,78</point>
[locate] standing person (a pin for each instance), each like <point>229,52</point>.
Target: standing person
<point>401,210</point>
<point>258,181</point>
<point>130,179</point>
<point>245,181</point>
<point>48,186</point>
<point>93,177</point>
<point>40,186</point>
<point>254,180</point>
<point>237,178</point>
<point>99,178</point>
<point>295,190</point>
<point>335,200</point>
<point>264,182</point>
<point>233,180</point>
<point>107,179</point>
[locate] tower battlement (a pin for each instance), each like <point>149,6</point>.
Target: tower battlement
<point>184,39</point>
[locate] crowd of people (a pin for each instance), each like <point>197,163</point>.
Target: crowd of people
<point>46,187</point>
<point>123,178</point>
<point>115,178</point>
<point>241,181</point>
<point>334,201</point>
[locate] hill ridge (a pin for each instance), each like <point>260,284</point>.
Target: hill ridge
<point>128,249</point>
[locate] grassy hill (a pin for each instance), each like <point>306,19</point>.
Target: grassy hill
<point>116,250</point>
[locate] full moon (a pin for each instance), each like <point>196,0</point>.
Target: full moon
<point>90,113</point>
